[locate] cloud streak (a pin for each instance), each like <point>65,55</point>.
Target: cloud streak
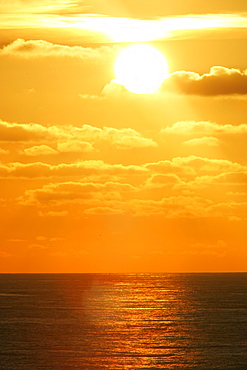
<point>206,140</point>
<point>42,49</point>
<point>204,128</point>
<point>80,168</point>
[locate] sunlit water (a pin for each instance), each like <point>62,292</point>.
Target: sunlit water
<point>123,321</point>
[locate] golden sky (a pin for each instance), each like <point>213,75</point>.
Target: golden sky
<point>95,178</point>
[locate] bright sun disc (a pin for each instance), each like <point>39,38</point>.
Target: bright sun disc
<point>141,69</point>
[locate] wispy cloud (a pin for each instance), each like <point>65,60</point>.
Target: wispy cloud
<point>206,140</point>
<point>204,128</point>
<point>34,6</point>
<point>109,28</point>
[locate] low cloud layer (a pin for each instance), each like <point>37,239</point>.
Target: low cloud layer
<point>71,138</point>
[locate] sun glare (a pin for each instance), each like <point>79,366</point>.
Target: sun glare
<point>141,69</point>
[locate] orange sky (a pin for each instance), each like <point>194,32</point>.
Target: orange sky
<point>95,178</point>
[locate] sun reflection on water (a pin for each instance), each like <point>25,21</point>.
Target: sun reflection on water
<point>135,322</point>
<point>146,321</point>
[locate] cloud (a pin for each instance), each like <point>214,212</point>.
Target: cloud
<point>188,207</point>
<point>74,146</point>
<point>192,165</point>
<point>80,168</point>
<point>72,138</point>
<point>97,169</point>
<point>169,167</point>
<point>172,207</point>
<point>206,140</point>
<point>237,193</point>
<point>91,97</point>
<point>114,198</point>
<point>41,48</point>
<point>204,128</point>
<point>213,181</point>
<point>126,138</point>
<point>232,178</point>
<point>4,170</point>
<point>37,246</point>
<point>24,132</point>
<point>229,209</point>
<point>33,6</point>
<point>198,175</point>
<point>219,81</point>
<point>69,192</point>
<point>114,90</point>
<point>104,211</point>
<point>3,151</point>
<point>40,150</point>
<point>209,165</point>
<point>162,180</point>
<point>57,213</point>
<point>110,199</point>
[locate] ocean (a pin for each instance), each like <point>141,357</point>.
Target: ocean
<point>123,321</point>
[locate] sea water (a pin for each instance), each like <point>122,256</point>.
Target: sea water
<point>123,321</point>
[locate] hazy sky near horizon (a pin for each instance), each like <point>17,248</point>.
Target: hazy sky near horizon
<point>95,178</point>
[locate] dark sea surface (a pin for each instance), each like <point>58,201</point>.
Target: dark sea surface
<point>123,321</point>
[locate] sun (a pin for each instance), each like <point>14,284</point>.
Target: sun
<point>141,69</point>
